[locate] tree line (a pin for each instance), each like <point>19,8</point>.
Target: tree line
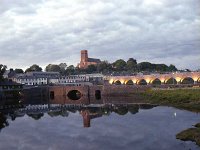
<point>119,67</point>
<point>2,71</point>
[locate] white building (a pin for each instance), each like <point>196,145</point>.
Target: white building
<point>45,78</point>
<point>31,80</point>
<point>36,78</point>
<point>73,80</point>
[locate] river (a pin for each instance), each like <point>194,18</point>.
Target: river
<point>128,127</point>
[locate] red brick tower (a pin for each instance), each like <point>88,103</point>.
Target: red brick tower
<point>86,118</point>
<point>84,56</point>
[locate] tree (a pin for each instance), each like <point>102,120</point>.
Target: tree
<point>144,66</point>
<point>63,67</point>
<point>2,71</point>
<point>53,68</point>
<point>19,70</point>
<point>131,64</point>
<point>147,66</point>
<point>70,70</point>
<point>34,68</point>
<point>172,68</point>
<point>104,66</point>
<point>119,64</point>
<point>161,67</point>
<point>91,69</point>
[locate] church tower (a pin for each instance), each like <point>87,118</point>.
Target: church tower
<point>85,61</point>
<point>84,56</point>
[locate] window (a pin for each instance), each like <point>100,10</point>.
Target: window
<point>52,95</point>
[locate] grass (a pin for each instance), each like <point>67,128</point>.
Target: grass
<point>188,99</point>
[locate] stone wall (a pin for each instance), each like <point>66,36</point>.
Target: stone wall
<point>116,94</point>
<point>123,90</point>
<point>35,95</point>
<point>89,94</point>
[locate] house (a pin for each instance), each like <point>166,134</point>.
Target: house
<point>36,78</point>
<point>31,80</point>
<point>72,80</point>
<point>9,90</point>
<point>10,85</point>
<point>9,74</point>
<point>54,78</point>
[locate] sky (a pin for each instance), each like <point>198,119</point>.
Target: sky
<point>50,31</point>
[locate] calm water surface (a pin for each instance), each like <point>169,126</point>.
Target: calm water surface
<point>113,128</point>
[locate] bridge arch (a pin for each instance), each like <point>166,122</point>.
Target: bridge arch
<point>129,82</point>
<point>141,82</point>
<point>117,82</point>
<point>170,81</point>
<point>187,80</point>
<point>156,81</point>
<point>74,95</point>
<point>111,81</point>
<point>198,80</point>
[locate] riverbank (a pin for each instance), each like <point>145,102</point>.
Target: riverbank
<point>191,134</point>
<point>188,99</point>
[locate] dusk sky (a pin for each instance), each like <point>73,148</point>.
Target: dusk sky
<point>51,31</point>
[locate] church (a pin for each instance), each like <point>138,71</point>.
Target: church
<point>85,61</point>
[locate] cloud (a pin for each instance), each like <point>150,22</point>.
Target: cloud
<point>43,32</point>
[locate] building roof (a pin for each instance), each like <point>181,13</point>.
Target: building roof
<point>94,60</point>
<point>9,73</point>
<point>94,75</point>
<point>42,73</point>
<point>8,83</point>
<point>30,77</point>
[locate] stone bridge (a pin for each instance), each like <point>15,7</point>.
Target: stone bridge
<point>172,78</point>
<point>78,95</point>
<point>94,94</point>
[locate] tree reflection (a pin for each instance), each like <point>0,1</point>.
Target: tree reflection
<point>146,106</point>
<point>120,110</point>
<point>63,113</point>
<point>133,109</point>
<point>6,114</point>
<point>87,112</point>
<point>3,121</point>
<point>36,116</point>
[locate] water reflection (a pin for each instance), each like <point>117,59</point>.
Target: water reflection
<point>148,126</point>
<point>87,112</point>
<point>134,125</point>
<point>38,103</point>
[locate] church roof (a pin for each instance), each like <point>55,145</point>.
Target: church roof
<point>94,60</point>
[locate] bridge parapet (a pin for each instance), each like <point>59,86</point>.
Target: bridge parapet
<point>162,78</point>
